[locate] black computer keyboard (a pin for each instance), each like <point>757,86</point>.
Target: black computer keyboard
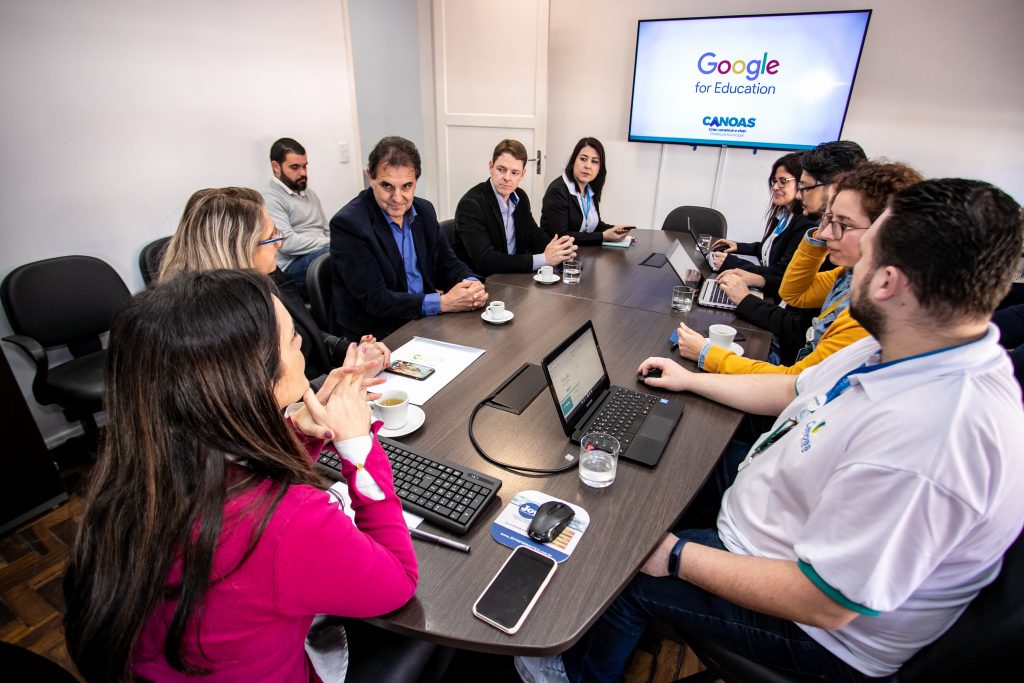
<point>717,295</point>
<point>446,494</point>
<point>622,415</point>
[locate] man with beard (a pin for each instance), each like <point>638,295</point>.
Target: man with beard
<point>296,212</point>
<point>857,529</point>
<point>821,166</point>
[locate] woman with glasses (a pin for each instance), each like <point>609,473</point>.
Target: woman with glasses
<point>858,200</point>
<point>230,227</point>
<point>572,201</point>
<point>784,225</point>
<point>209,543</point>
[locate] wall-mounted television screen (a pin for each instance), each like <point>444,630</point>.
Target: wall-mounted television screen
<point>770,81</point>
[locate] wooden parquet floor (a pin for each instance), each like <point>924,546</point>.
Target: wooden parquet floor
<point>32,563</point>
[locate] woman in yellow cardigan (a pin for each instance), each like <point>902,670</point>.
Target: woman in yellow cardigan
<point>858,200</point>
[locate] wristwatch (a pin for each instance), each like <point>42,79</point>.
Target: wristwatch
<point>673,558</point>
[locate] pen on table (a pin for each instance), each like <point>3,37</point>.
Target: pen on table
<point>426,536</point>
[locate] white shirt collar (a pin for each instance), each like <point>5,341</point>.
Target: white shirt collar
<point>286,188</point>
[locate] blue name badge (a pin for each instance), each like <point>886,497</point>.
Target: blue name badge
<point>674,337</point>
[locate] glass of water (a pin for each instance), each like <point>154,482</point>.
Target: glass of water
<point>682,298</point>
<point>705,240</point>
<point>599,456</point>
<point>571,271</point>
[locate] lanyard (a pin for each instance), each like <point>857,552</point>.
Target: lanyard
<point>837,390</point>
<point>585,205</point>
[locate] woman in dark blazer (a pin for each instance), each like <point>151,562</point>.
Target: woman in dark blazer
<point>571,202</point>
<point>230,228</point>
<point>784,227</point>
<point>494,227</point>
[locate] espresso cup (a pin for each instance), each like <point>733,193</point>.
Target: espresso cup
<point>392,408</point>
<point>546,272</point>
<point>496,310</point>
<point>721,335</point>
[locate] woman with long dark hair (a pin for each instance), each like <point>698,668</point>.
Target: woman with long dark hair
<point>209,541</point>
<point>785,225</point>
<point>572,201</point>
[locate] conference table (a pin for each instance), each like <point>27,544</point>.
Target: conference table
<point>629,305</point>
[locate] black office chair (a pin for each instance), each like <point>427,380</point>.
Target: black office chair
<point>984,641</point>
<point>67,301</point>
<point>318,285</point>
<point>704,220</point>
<point>448,230</point>
<point>19,664</point>
<point>150,258</point>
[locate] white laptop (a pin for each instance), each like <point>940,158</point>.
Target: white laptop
<point>690,257</point>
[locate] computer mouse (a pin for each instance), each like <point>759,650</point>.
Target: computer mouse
<point>651,372</point>
<point>551,519</point>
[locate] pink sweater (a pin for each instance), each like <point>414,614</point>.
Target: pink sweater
<point>309,560</point>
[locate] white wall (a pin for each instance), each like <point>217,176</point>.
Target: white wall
<point>388,77</point>
<point>116,111</point>
<point>938,88</point>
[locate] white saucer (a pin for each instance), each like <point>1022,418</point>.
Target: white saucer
<point>553,280</point>
<point>416,419</point>
<point>736,348</point>
<point>508,316</point>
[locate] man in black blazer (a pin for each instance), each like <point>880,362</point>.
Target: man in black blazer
<point>494,229</point>
<point>390,261</point>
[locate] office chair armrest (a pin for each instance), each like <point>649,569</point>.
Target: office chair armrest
<point>33,348</point>
<point>336,348</point>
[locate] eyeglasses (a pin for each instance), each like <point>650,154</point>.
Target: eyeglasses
<point>838,227</point>
<point>781,182</point>
<point>277,239</point>
<point>800,187</point>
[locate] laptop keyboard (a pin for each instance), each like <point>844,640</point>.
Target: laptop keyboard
<point>444,493</point>
<point>715,295</point>
<point>622,415</point>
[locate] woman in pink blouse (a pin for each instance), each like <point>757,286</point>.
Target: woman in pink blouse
<point>209,541</point>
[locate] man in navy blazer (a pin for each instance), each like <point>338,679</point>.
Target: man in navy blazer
<point>390,261</point>
<point>494,229</point>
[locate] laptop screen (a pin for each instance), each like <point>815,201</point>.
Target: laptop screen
<point>576,374</point>
<point>682,260</point>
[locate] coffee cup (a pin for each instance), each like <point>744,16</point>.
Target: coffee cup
<point>546,272</point>
<point>721,335</point>
<point>496,310</point>
<point>392,408</point>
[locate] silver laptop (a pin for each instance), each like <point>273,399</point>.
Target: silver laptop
<point>690,257</point>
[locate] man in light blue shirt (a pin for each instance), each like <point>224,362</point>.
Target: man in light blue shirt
<point>390,261</point>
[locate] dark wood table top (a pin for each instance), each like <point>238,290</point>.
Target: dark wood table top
<point>616,276</point>
<point>627,518</point>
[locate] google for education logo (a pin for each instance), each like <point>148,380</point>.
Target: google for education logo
<point>751,69</point>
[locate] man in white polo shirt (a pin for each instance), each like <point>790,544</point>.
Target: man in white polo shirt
<point>857,529</point>
<point>296,212</point>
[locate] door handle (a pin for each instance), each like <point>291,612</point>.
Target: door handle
<point>538,160</point>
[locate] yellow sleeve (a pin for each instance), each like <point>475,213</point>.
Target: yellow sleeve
<point>803,285</point>
<point>843,331</point>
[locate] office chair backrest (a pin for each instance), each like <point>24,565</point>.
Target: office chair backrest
<point>150,258</point>
<point>705,220</point>
<point>448,230</point>
<point>66,300</point>
<point>318,282</point>
<point>986,638</point>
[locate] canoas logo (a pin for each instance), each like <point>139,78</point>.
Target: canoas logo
<point>729,121</point>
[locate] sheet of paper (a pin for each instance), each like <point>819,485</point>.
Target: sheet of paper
<point>448,360</point>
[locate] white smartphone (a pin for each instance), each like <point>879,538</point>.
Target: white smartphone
<point>514,590</point>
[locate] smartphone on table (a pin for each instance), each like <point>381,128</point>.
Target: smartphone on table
<point>409,369</point>
<point>514,590</point>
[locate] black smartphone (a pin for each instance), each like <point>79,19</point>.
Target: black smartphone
<point>514,590</point>
<point>408,369</point>
<point>629,227</point>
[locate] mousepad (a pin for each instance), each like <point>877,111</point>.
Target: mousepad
<point>511,525</point>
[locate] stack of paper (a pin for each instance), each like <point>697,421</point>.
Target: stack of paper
<point>621,245</point>
<point>448,360</point>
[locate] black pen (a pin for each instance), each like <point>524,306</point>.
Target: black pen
<point>441,540</point>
